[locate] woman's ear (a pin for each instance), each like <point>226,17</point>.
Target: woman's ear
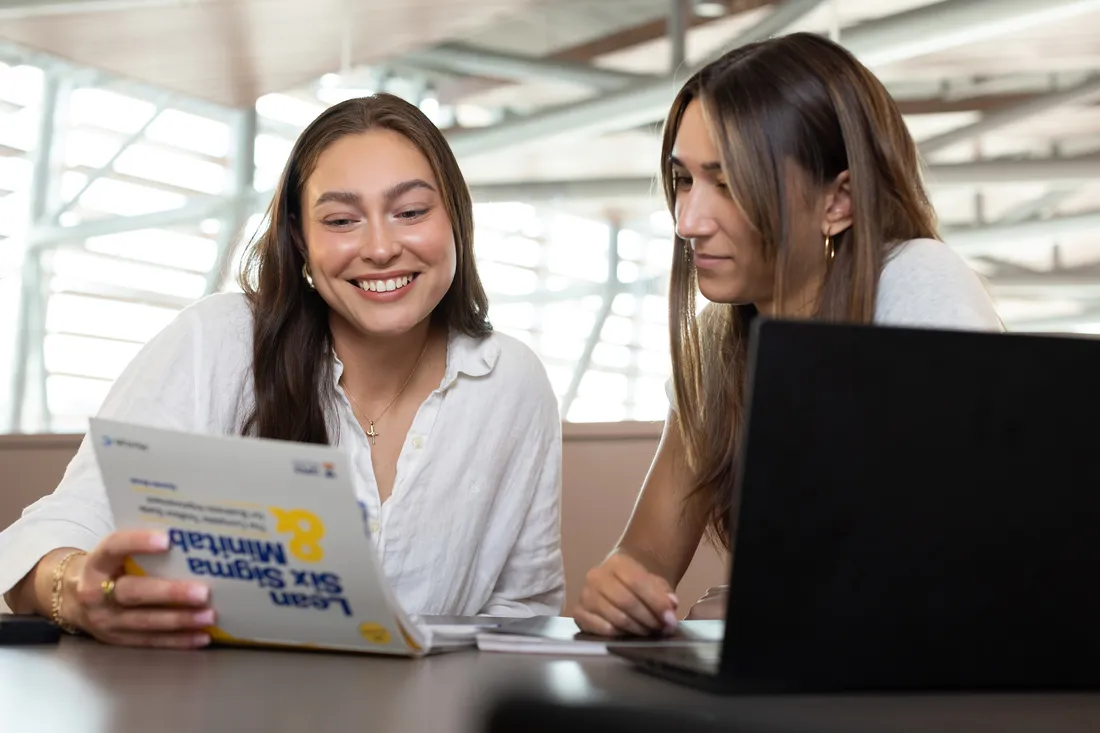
<point>297,236</point>
<point>838,206</point>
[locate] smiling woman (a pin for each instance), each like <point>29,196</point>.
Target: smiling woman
<point>362,324</point>
<point>371,194</point>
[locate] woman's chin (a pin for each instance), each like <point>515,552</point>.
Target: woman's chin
<point>387,328</point>
<point>384,324</point>
<point>724,294</point>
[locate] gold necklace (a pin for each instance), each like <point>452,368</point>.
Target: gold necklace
<point>372,433</point>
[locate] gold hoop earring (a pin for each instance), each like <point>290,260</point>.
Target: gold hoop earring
<point>830,250</point>
<point>308,277</point>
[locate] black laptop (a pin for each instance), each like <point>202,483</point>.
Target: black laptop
<point>920,511</point>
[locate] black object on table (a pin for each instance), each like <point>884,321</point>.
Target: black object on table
<point>16,630</point>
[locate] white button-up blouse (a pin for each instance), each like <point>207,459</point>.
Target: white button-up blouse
<point>473,523</point>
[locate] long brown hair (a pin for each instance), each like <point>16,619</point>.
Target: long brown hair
<point>292,367</point>
<point>798,98</point>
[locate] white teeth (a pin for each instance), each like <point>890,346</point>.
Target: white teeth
<point>385,286</point>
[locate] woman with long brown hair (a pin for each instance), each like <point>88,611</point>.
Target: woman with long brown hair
<point>796,192</point>
<point>363,324</point>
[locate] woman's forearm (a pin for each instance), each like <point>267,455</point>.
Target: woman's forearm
<point>649,560</point>
<point>34,593</point>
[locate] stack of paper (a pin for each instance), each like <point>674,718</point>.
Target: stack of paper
<point>557,635</point>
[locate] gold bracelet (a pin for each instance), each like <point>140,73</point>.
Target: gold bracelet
<point>55,595</point>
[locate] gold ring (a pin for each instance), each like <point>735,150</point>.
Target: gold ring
<point>108,587</point>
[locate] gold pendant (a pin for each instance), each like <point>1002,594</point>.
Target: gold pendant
<point>371,433</point>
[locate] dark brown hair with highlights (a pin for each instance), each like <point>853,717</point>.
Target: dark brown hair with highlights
<point>292,345</point>
<point>798,99</point>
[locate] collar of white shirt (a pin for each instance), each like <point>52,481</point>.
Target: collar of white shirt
<point>474,357</point>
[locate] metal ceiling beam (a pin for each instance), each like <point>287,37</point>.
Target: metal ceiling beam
<point>243,201</point>
<point>108,166</point>
<point>678,13</point>
<point>189,213</point>
<point>123,294</point>
<point>611,286</point>
<point>895,38</point>
<point>29,365</point>
<point>84,76</point>
<point>1005,237</point>
<point>592,188</point>
<point>637,105</point>
<point>996,172</point>
<point>145,264</point>
<point>20,9</point>
<point>1014,113</point>
<point>980,173</point>
<point>945,25</point>
<point>515,67</point>
<point>1038,206</point>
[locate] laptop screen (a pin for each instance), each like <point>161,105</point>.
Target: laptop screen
<point>919,510</point>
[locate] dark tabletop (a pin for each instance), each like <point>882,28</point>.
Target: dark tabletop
<point>81,686</point>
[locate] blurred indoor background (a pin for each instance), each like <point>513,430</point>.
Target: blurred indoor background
<point>139,137</point>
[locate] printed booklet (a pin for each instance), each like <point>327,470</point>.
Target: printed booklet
<point>273,527</point>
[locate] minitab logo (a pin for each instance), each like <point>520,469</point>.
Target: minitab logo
<point>145,483</point>
<point>108,441</point>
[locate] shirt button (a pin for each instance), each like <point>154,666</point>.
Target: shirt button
<point>374,526</point>
<point>418,442</point>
